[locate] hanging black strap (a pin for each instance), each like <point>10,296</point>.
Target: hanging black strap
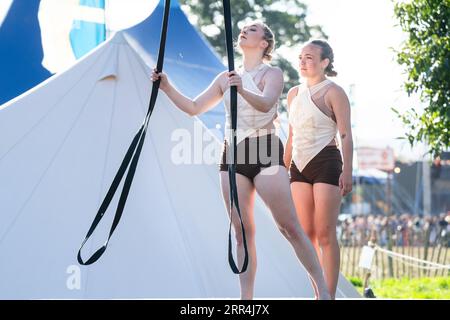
<point>233,148</point>
<point>132,155</point>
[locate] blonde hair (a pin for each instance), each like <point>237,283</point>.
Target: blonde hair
<point>270,38</point>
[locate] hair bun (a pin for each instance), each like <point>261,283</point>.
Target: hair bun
<point>329,71</point>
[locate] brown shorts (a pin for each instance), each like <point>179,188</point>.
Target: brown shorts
<point>255,154</point>
<point>325,167</point>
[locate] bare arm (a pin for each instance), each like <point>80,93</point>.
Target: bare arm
<point>288,149</point>
<point>273,87</point>
<point>339,102</point>
<point>202,103</point>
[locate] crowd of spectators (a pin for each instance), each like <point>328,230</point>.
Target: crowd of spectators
<point>405,229</point>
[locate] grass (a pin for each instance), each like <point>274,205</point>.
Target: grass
<point>404,288</point>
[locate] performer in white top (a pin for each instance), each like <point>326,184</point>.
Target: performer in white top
<point>318,109</point>
<point>251,121</point>
<point>260,165</point>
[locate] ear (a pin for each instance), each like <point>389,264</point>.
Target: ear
<point>324,63</point>
<point>264,44</point>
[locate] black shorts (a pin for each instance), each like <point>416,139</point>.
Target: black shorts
<point>255,154</point>
<point>325,167</point>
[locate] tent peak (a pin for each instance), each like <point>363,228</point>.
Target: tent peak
<point>118,38</point>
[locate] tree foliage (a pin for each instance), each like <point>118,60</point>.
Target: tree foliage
<point>425,57</point>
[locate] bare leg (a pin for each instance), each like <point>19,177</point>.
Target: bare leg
<point>246,195</point>
<point>302,194</point>
<point>275,191</point>
<point>327,202</point>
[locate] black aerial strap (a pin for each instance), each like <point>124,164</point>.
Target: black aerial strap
<point>132,155</point>
<point>233,147</point>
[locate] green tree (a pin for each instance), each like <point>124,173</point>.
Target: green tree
<point>425,56</point>
<point>286,18</point>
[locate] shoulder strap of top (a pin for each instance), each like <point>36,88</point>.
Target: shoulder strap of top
<point>257,78</point>
<point>260,74</point>
<point>314,89</point>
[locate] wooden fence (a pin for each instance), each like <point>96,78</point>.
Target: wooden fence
<point>380,266</point>
<point>419,245</point>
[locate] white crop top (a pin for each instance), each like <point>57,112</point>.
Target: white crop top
<point>249,119</point>
<point>312,129</point>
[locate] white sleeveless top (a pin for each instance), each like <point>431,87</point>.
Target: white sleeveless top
<point>312,130</point>
<point>249,119</point>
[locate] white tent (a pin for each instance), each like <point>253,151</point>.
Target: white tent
<point>61,145</point>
